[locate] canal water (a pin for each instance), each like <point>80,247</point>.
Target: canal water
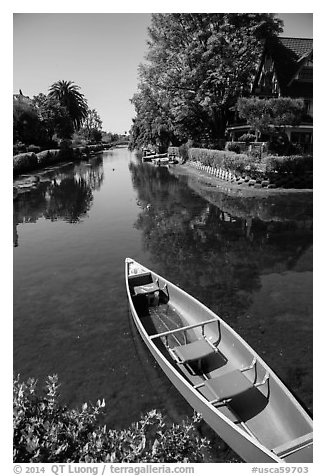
<point>73,230</point>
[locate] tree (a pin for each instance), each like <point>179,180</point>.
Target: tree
<point>198,65</point>
<point>152,124</point>
<point>92,126</point>
<point>268,115</point>
<point>109,137</point>
<point>26,123</point>
<point>69,96</point>
<point>54,117</point>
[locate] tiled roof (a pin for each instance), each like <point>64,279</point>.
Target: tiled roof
<point>287,53</point>
<point>299,46</point>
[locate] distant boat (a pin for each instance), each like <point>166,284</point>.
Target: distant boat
<point>148,155</point>
<point>148,158</point>
<point>161,160</point>
<point>217,372</point>
<point>157,159</point>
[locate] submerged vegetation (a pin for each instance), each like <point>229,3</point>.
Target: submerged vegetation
<point>46,431</point>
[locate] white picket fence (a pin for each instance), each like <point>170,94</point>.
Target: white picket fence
<point>216,171</point>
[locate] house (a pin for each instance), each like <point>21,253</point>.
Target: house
<point>285,70</point>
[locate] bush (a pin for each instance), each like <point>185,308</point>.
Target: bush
<point>279,143</point>
<point>220,158</point>
<point>184,152</point>
<point>232,147</point>
<point>247,138</point>
<point>65,144</point>
<point>33,148</point>
<point>173,151</point>
<point>19,148</point>
<point>48,157</point>
<point>269,167</point>
<point>47,432</point>
<point>24,162</point>
<point>295,164</point>
<point>78,142</point>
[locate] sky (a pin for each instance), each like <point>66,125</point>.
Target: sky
<point>100,52</point>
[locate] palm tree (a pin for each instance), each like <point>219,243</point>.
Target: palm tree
<point>67,93</point>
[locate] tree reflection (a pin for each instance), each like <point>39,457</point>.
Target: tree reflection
<point>63,194</point>
<point>68,201</point>
<point>215,256</point>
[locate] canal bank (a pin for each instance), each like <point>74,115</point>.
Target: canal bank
<point>237,188</point>
<point>243,201</point>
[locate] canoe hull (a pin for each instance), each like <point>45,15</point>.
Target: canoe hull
<point>237,441</point>
<point>248,448</point>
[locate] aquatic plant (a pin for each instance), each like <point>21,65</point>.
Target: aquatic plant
<point>46,431</point>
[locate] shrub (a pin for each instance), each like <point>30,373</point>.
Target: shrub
<point>294,164</point>
<point>207,156</point>
<point>218,144</point>
<point>232,147</point>
<point>184,152</point>
<point>43,157</point>
<point>247,138</point>
<point>269,167</point>
<point>45,431</point>
<point>47,157</point>
<point>78,142</point>
<point>33,148</point>
<point>255,153</point>
<point>295,149</point>
<point>24,162</point>
<point>279,143</point>
<point>19,148</point>
<point>220,158</point>
<point>173,150</point>
<point>65,144</point>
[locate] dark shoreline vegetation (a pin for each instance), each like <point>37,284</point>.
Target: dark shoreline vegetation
<point>267,171</point>
<point>45,431</point>
<point>29,161</point>
<point>289,172</point>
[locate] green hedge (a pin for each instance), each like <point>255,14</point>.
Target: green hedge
<point>48,432</point>
<point>33,148</point>
<point>25,162</point>
<point>290,171</point>
<point>287,171</point>
<point>295,164</point>
<point>48,157</point>
<point>236,163</point>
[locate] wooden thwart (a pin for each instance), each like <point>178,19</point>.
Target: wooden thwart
<point>185,328</point>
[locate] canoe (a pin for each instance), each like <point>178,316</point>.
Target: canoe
<point>217,372</point>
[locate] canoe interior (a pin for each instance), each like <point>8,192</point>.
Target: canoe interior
<point>268,412</point>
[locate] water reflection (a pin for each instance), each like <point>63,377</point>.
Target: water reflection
<point>254,268</point>
<point>255,273</point>
<point>64,193</point>
<point>227,254</point>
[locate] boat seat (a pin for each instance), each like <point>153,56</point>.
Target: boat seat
<point>193,351</point>
<point>228,385</point>
<point>293,445</point>
<point>146,289</point>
